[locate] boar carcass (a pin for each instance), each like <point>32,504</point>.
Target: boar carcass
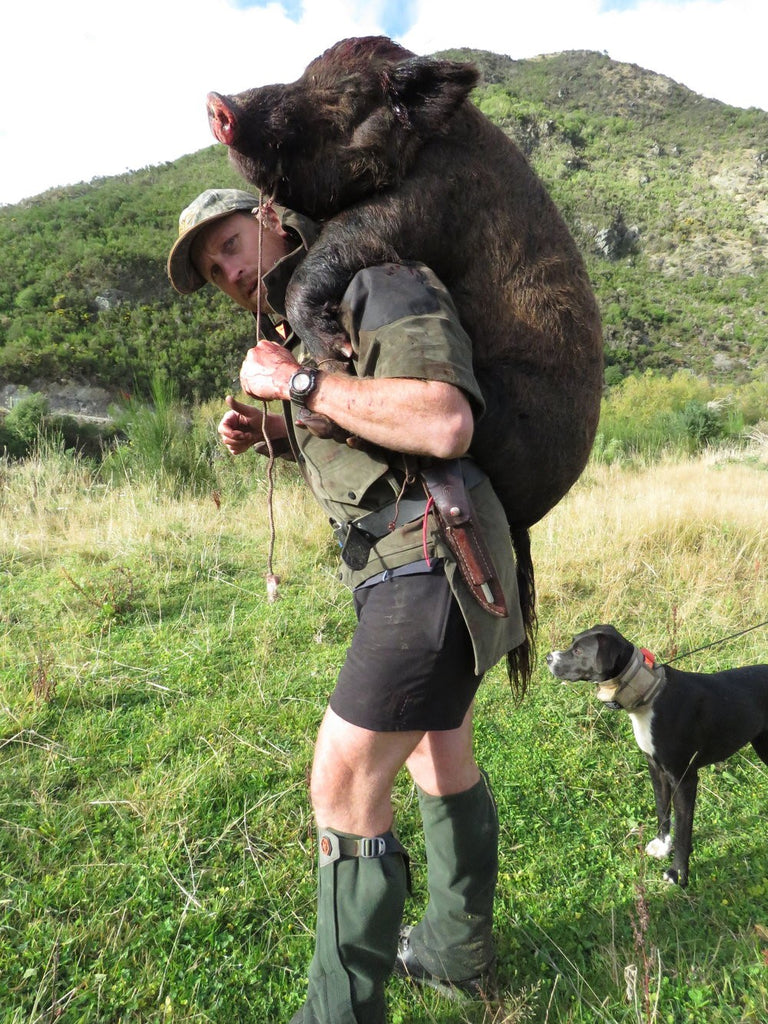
<point>386,150</point>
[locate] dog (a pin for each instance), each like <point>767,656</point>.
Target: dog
<point>682,722</point>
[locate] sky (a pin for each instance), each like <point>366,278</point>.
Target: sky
<point>93,88</point>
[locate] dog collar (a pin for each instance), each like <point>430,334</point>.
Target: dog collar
<point>638,683</point>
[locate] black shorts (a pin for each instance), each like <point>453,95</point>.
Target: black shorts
<point>410,665</point>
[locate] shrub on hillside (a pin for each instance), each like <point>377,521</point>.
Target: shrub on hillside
<point>29,424</point>
<point>160,443</point>
<point>651,413</point>
<point>26,418</point>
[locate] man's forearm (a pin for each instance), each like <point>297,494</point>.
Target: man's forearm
<point>412,416</point>
<point>418,417</point>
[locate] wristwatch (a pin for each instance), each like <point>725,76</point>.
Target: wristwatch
<point>302,384</point>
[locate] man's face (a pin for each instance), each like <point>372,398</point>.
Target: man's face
<point>226,254</point>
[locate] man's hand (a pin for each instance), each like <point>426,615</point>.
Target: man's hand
<point>240,428</point>
<point>267,370</point>
<point>243,427</point>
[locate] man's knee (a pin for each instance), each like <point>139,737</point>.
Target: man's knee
<point>353,773</point>
<point>327,789</point>
<point>443,762</point>
<point>346,796</point>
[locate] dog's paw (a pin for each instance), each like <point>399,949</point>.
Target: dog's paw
<point>659,847</point>
<point>675,877</point>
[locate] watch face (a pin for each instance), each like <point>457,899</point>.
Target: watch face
<point>301,385</point>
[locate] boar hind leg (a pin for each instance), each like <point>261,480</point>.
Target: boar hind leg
<point>313,315</point>
<point>318,284</point>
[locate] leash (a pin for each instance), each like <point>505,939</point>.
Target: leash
<point>715,643</point>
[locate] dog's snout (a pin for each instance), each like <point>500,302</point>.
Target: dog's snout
<point>553,663</point>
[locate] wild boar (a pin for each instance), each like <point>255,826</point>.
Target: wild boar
<point>386,149</point>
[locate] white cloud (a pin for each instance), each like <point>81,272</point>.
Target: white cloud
<point>715,47</point>
<point>94,89</point>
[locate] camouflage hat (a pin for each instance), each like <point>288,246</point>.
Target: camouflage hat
<point>209,206</point>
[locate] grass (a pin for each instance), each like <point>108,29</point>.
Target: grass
<point>157,715</point>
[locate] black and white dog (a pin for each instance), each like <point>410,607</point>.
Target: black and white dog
<point>682,721</point>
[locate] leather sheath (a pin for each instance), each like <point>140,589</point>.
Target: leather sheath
<point>456,519</point>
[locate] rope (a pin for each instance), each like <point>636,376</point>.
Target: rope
<point>271,578</point>
<point>715,643</point>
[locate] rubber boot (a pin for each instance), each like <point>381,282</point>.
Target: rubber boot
<point>453,942</point>
<point>362,885</point>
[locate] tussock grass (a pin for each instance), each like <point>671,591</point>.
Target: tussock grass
<point>157,715</point>
<point>673,555</point>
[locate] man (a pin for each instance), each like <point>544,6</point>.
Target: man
<point>402,407</point>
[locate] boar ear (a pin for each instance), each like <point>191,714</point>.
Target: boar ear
<point>420,98</point>
<point>429,91</point>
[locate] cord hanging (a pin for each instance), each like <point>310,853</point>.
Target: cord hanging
<point>271,578</point>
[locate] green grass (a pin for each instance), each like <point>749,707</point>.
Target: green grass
<point>157,716</point>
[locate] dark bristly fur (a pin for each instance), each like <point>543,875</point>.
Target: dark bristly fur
<point>385,148</point>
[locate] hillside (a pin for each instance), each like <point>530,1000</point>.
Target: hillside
<point>666,192</point>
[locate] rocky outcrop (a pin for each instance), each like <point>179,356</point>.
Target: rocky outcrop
<point>65,398</point>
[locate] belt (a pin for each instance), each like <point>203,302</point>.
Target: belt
<point>358,537</point>
<point>447,483</point>
<point>378,524</point>
<point>420,568</point>
<point>332,846</point>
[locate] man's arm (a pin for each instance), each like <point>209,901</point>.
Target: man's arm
<point>418,417</point>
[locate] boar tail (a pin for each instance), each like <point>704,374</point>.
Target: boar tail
<point>520,661</point>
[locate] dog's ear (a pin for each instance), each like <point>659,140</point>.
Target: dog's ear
<point>594,631</point>
<point>615,649</point>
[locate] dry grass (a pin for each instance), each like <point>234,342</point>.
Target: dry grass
<point>690,538</point>
<point>674,554</point>
<point>50,507</point>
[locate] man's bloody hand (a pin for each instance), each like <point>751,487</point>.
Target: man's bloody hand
<point>267,370</point>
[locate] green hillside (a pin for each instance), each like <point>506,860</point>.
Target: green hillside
<point>666,192</point>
